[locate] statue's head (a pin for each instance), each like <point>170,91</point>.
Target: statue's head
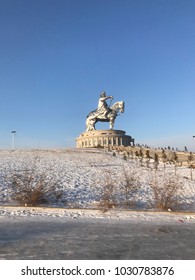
<point>103,94</point>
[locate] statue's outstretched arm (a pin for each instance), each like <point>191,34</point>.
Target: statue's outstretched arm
<point>107,97</point>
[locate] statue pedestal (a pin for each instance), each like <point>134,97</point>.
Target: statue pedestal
<point>104,138</point>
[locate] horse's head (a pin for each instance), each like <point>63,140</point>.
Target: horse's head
<point>122,106</point>
<point>118,106</point>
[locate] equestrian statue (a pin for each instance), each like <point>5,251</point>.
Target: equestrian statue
<point>104,113</point>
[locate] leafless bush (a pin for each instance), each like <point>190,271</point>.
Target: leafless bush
<point>108,198</point>
<point>166,192</point>
<point>141,156</point>
<point>130,185</point>
<point>191,164</point>
<point>30,187</point>
<point>156,161</point>
<point>148,158</point>
<point>114,154</point>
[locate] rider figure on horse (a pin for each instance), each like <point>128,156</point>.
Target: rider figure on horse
<point>103,108</point>
<point>104,113</point>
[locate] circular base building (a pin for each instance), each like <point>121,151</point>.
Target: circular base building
<point>104,138</point>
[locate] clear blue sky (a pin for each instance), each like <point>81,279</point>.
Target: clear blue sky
<point>57,56</point>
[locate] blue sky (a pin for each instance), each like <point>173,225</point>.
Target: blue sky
<point>57,56</point>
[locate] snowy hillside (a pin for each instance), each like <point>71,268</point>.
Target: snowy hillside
<point>84,178</point>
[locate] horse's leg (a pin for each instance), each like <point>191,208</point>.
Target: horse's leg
<point>112,120</point>
<point>87,124</point>
<point>90,123</point>
<point>111,123</point>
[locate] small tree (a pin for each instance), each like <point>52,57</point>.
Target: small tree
<point>156,161</point>
<point>141,156</point>
<point>124,155</point>
<point>137,154</point>
<point>148,157</point>
<point>175,160</point>
<point>190,162</point>
<point>131,154</point>
<point>164,158</point>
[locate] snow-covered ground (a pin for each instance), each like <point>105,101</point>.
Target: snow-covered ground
<point>80,176</point>
<point>57,214</point>
<point>74,224</point>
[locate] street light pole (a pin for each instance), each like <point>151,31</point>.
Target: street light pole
<point>13,138</point>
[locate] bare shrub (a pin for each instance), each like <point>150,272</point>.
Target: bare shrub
<point>108,198</point>
<point>30,187</point>
<point>124,156</point>
<point>156,161</point>
<point>141,156</point>
<point>148,158</point>
<point>191,164</point>
<point>114,154</point>
<point>131,155</point>
<point>166,192</point>
<point>130,186</point>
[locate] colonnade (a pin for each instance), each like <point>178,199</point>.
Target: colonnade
<point>104,138</point>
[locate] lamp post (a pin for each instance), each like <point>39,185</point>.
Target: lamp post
<point>13,138</point>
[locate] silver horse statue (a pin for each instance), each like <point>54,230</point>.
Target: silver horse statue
<point>104,113</point>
